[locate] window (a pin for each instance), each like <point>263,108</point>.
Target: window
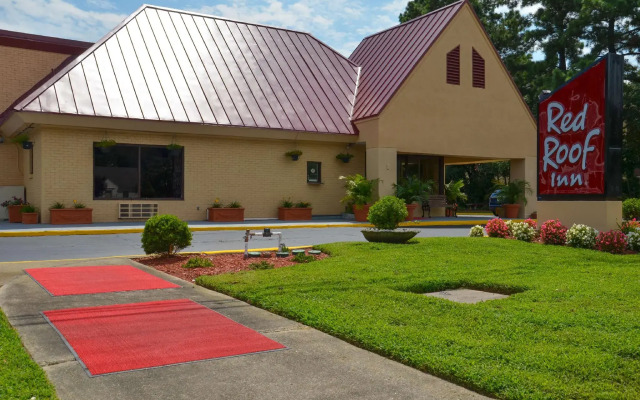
<point>313,172</point>
<point>453,66</point>
<point>478,70</point>
<point>126,172</point>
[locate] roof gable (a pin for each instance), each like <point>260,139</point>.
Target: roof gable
<point>169,65</point>
<point>387,58</point>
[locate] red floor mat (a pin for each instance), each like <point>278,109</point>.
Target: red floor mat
<point>125,337</point>
<point>101,279</point>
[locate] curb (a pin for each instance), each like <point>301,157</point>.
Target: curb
<point>116,231</point>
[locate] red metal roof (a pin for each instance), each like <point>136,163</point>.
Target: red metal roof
<point>42,43</point>
<point>170,65</point>
<point>387,58</point>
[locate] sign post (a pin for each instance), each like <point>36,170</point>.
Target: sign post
<point>580,148</point>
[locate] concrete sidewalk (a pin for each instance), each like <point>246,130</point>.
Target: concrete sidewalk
<point>315,365</point>
<point>22,230</point>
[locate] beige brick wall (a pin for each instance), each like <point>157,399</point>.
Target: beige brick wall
<point>254,172</point>
<point>11,164</point>
<point>20,69</point>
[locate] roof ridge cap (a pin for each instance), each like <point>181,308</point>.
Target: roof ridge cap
<point>459,2</point>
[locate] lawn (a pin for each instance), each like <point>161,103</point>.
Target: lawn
<point>20,376</point>
<point>570,330</point>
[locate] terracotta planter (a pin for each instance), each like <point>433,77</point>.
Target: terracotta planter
<point>511,210</point>
<point>30,218</point>
<point>226,214</point>
<point>15,216</point>
<point>294,214</point>
<point>410,209</point>
<point>63,216</point>
<point>361,212</point>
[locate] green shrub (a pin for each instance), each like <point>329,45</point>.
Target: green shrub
<point>387,213</point>
<point>234,204</point>
<point>56,206</point>
<point>476,231</point>
<point>302,204</point>
<point>28,208</point>
<point>303,258</point>
<point>198,262</point>
<point>260,265</point>
<point>165,234</point>
<point>631,209</point>
<point>286,203</point>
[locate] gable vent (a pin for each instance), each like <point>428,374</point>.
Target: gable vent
<point>137,210</point>
<point>478,70</point>
<point>453,66</point>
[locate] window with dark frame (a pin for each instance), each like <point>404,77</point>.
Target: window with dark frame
<point>478,70</point>
<point>453,66</point>
<point>129,172</point>
<point>314,172</point>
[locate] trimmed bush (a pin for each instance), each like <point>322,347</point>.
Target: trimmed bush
<point>553,232</point>
<point>497,228</point>
<point>165,234</point>
<point>631,209</point>
<point>387,213</point>
<point>633,240</point>
<point>581,236</point>
<point>523,231</point>
<point>303,258</point>
<point>476,231</point>
<point>532,223</point>
<point>628,226</point>
<point>260,265</point>
<point>614,242</point>
<point>198,262</point>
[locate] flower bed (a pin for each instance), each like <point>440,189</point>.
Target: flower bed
<point>624,240</point>
<point>222,263</point>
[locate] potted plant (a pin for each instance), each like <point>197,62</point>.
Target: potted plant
<point>359,194</point>
<point>23,140</point>
<point>29,214</point>
<point>386,215</point>
<point>79,214</point>
<point>344,157</point>
<point>413,191</point>
<point>453,193</point>
<point>294,154</point>
<point>289,211</point>
<point>232,212</point>
<point>512,194</point>
<point>105,144</point>
<point>174,149</point>
<point>13,207</point>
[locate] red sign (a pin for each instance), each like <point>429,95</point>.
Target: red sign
<point>571,136</point>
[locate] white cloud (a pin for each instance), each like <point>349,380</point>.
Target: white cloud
<point>56,18</point>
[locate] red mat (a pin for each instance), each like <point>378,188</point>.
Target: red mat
<point>101,279</point>
<point>125,337</point>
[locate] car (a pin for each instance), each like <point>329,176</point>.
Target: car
<point>494,202</point>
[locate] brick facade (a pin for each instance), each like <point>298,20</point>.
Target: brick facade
<point>254,172</point>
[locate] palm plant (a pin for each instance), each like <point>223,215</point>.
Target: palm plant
<point>359,190</point>
<point>413,189</point>
<point>514,192</point>
<point>453,192</point>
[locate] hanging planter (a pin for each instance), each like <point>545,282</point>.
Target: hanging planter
<point>294,154</point>
<point>174,149</point>
<point>23,140</point>
<point>105,144</point>
<point>344,157</point>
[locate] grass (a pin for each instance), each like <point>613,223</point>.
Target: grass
<point>20,376</point>
<point>571,329</point>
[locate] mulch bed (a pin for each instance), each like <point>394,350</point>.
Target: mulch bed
<point>223,263</point>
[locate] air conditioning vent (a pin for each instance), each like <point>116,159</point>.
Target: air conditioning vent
<point>137,210</point>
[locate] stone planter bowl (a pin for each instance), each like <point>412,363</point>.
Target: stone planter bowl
<point>385,236</point>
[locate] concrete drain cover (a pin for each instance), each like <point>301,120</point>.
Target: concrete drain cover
<point>466,295</point>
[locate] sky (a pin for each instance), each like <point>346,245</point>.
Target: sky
<point>339,23</point>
